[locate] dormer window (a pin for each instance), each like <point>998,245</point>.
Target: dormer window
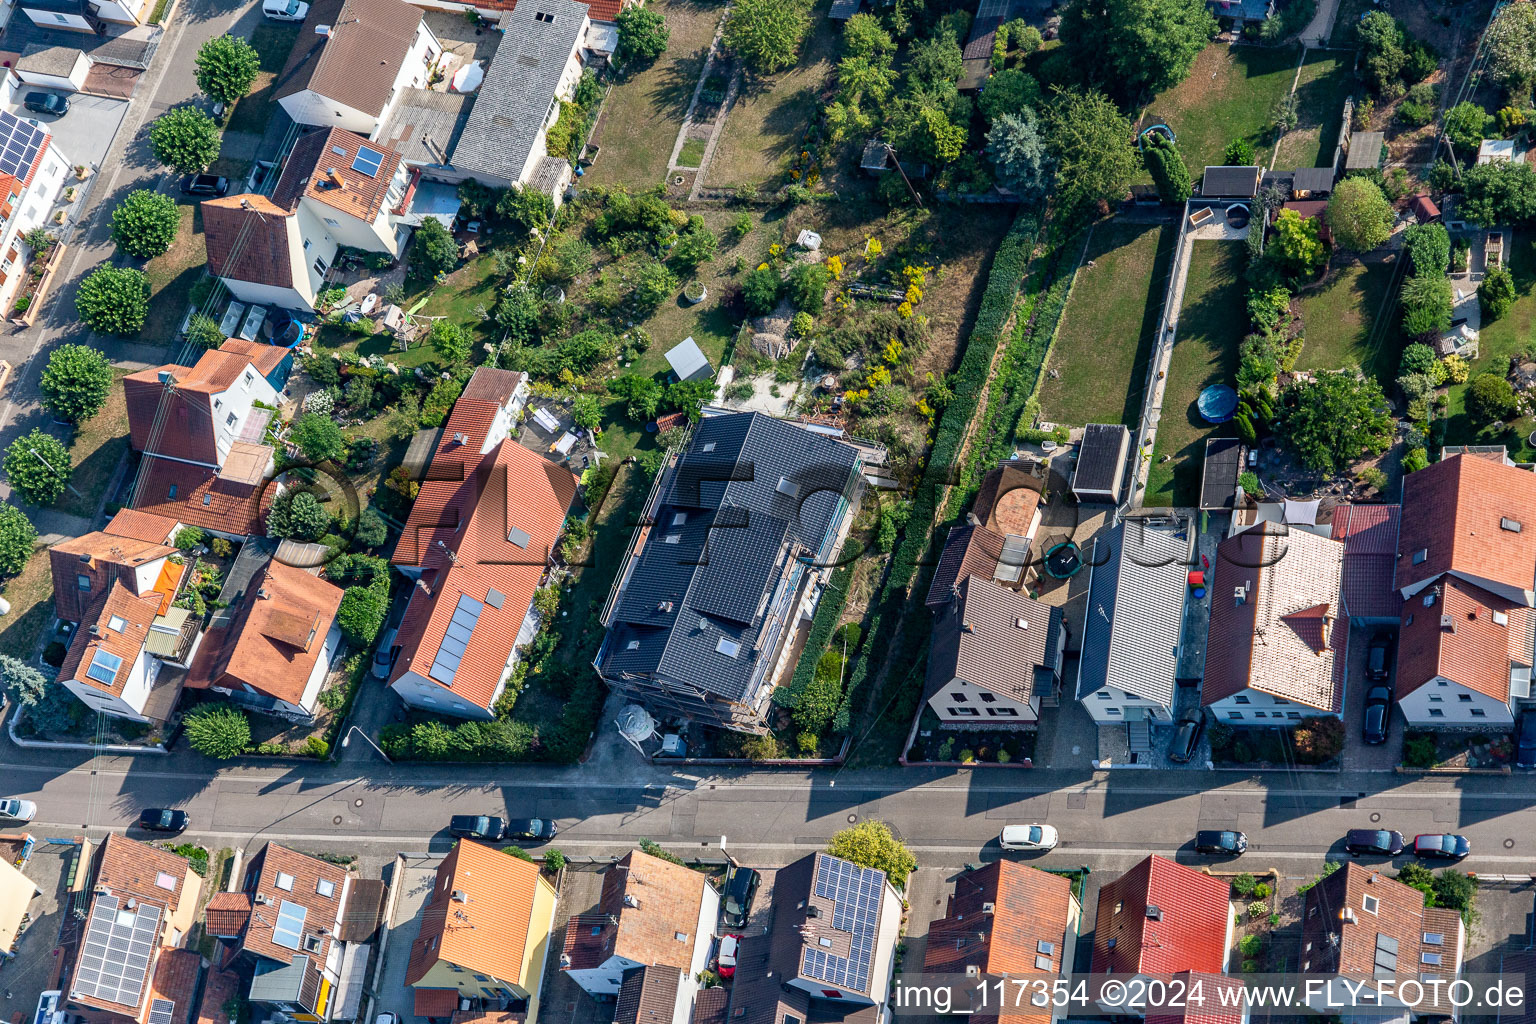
<point>1420,556</point>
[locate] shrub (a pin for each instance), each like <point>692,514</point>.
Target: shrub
<point>1490,398</point>
<point>1258,908</point>
<point>554,861</point>
<point>296,515</point>
<point>1244,884</point>
<point>871,844</point>
<point>1496,293</point>
<point>188,537</point>
<point>451,342</point>
<point>218,731</point>
<point>317,748</point>
<point>655,849</point>
<point>760,291</point>
<point>808,286</point>
<point>433,249</point>
<point>1239,153</point>
<point>145,223</point>
<point>1318,739</point>
<point>1250,945</point>
<point>361,615</point>
<point>318,437</point>
<point>1261,891</point>
<point>1419,750</point>
<point>643,35</point>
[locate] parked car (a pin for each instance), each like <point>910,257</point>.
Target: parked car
<point>532,829</point>
<point>1525,739</point>
<point>163,819</point>
<point>50,103</point>
<point>739,890</point>
<point>1028,837</point>
<point>730,945</point>
<point>1375,841</point>
<point>1186,737</point>
<point>1441,846</point>
<point>1378,658</point>
<point>1223,842</point>
<point>285,10</point>
<point>385,654</point>
<point>204,185</point>
<point>20,811</point>
<point>1378,713</point>
<point>477,826</point>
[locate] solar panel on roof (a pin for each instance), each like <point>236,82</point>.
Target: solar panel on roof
<point>104,666</point>
<point>160,1011</point>
<point>367,161</point>
<point>855,893</point>
<point>290,924</point>
<point>20,142</point>
<point>451,651</point>
<point>114,960</point>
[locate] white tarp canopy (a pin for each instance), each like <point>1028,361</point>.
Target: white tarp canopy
<point>1301,513</point>
<point>469,77</point>
<point>546,419</point>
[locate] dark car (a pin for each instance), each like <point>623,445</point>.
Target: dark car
<point>1186,738</point>
<point>1525,739</point>
<point>1221,841</point>
<point>1441,846</point>
<point>1378,658</point>
<point>1378,712</point>
<point>531,829</point>
<point>163,819</point>
<point>477,826</point>
<point>204,185</point>
<point>739,890</point>
<point>1376,841</point>
<point>46,103</point>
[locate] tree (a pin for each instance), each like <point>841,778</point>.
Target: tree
<point>217,730</point>
<point>1018,152</point>
<point>1465,125</point>
<point>17,538</point>
<point>227,67</point>
<point>1490,398</point>
<point>525,206</point>
<point>642,395</point>
<point>76,382</point>
<point>24,684</point>
<point>1417,359</point>
<point>203,331</point>
<point>586,413</point>
<point>450,341</point>
<point>371,529</point>
<point>1239,153</point>
<point>1498,193</point>
<point>1297,246</point>
<point>643,35</point>
<point>1135,47</point>
<point>297,515</point>
<point>1429,248</point>
<point>767,33</point>
<point>144,224</point>
<point>1007,92</point>
<point>1166,165</point>
<point>1496,293</point>
<point>518,314</point>
<point>184,139</point>
<point>360,616</point>
<point>1427,304</point>
<point>1359,215</point>
<point>1512,48</point>
<point>114,300</point>
<point>808,286</point>
<point>686,396</point>
<point>38,467</point>
<point>1383,56</point>
<point>871,844</point>
<point>1335,419</point>
<point>865,36</point>
<point>1456,891</point>
<point>319,438</point>
<point>695,244</point>
<point>1089,139</point>
<point>935,61</point>
<point>760,291</point>
<point>433,249</point>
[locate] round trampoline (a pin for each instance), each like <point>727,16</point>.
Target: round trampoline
<point>1217,403</point>
<point>1063,561</point>
<point>1237,215</point>
<point>1157,129</point>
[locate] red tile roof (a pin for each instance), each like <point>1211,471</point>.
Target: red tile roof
<point>141,526</point>
<point>667,899</point>
<point>201,498</point>
<point>262,356</point>
<point>1190,933</point>
<point>597,10</point>
<point>251,244</point>
<point>1369,533</point>
<point>501,892</point>
<point>320,167</point>
<point>1209,1009</point>
<point>103,559</point>
<point>1452,513</point>
<point>436,1002</point>
<point>321,911</point>
<point>1457,637</point>
<point>228,913</point>
<point>1399,913</point>
<point>136,615</point>
<point>175,981</point>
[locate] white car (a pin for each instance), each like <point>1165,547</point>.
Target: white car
<point>1028,837</point>
<point>17,810</point>
<point>285,10</point>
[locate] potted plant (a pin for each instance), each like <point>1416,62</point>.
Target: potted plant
<point>695,292</point>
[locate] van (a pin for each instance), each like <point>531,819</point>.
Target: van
<point>285,10</point>
<point>739,891</point>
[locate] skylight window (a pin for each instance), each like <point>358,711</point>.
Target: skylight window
<point>518,537</point>
<point>285,881</point>
<point>727,647</point>
<point>1512,525</point>
<point>166,880</point>
<point>117,624</point>
<point>1420,555</point>
<point>325,887</point>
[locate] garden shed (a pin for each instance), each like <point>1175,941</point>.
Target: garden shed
<point>1364,151</point>
<point>1101,461</point>
<point>688,361</point>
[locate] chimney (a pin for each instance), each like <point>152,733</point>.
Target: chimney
<point>95,630</point>
<point>167,377</point>
<point>986,908</point>
<point>1447,624</point>
<point>813,911</point>
<point>263,594</point>
<point>323,30</point>
<point>1240,595</point>
<point>1154,913</point>
<point>459,438</point>
<point>85,556</point>
<point>966,627</point>
<point>460,896</point>
<point>337,181</point>
<point>630,901</point>
<point>1021,623</point>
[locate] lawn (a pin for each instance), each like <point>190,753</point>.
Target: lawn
<point>272,40</point>
<point>1337,320</point>
<point>643,113</point>
<point>692,153</point>
<point>31,597</point>
<point>99,445</point>
<point>1107,330</point>
<point>767,123</point>
<point>172,275</point>
<point>1230,94</point>
<point>1497,342</point>
<point>1211,325</point>
<point>1325,81</point>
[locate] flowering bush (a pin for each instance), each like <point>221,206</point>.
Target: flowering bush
<point>835,265</point>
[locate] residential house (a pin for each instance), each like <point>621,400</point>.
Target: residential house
<point>131,964</point>
<point>1466,571</point>
<point>118,585</point>
<point>1007,918</point>
<point>32,174</point>
<point>485,934</point>
<point>996,657</point>
<point>653,931</point>
<point>285,925</point>
<point>1278,643</point>
<point>995,541</point>
<point>351,62</point>
<point>1369,534</point>
<point>729,556</point>
<point>355,188</point>
<point>1101,463</point>
<point>830,952</point>
<point>85,16</point>
<point>17,891</point>
<point>1137,584</point>
<point>1162,918</point>
<point>272,652</point>
<point>1361,925</point>
<point>480,535</point>
<point>1242,11</point>
<point>202,430</point>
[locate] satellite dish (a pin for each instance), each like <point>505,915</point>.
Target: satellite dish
<point>636,725</point>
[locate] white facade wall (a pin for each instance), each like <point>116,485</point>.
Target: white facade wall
<point>1109,704</point>
<point>128,12</point>
<point>564,91</point>
<point>1442,702</point>
<point>232,408</point>
<point>309,107</point>
<point>130,704</point>
<point>703,942</point>
<point>31,210</point>
<point>413,74</point>
<point>419,691</point>
<point>269,295</point>
<point>1252,707</point>
<point>73,82</point>
<point>973,710</point>
<point>60,22</point>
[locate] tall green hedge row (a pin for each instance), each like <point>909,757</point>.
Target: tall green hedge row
<point>829,609</point>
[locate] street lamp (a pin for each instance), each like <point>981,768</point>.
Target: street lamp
<point>346,739</point>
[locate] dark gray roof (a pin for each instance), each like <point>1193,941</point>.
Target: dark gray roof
<point>424,114</point>
<point>1230,182</point>
<point>48,59</point>
<point>1218,477</point>
<point>1101,458</point>
<point>750,493</point>
<point>1135,609</point>
<point>977,638</point>
<point>537,40</point>
<point>1312,179</point>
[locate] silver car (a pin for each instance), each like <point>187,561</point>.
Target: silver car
<point>19,811</point>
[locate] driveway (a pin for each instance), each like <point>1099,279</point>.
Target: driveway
<point>85,133</point>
